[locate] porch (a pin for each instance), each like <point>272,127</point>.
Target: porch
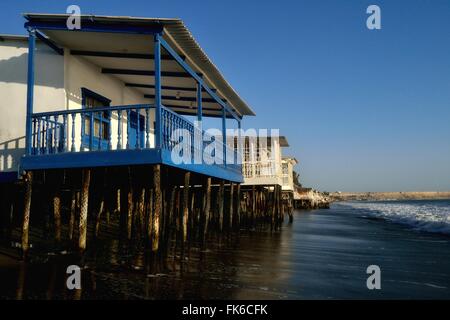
<point>169,84</point>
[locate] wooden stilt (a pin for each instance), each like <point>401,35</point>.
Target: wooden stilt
<point>86,180</point>
<point>98,215</point>
<point>187,176</point>
<point>207,207</point>
<point>26,212</point>
<point>150,214</point>
<point>73,203</point>
<point>57,213</point>
<point>274,206</point>
<point>141,212</point>
<point>238,204</point>
<point>253,204</point>
<point>158,205</point>
<point>221,200</point>
<point>231,211</point>
<point>130,206</point>
<point>192,209</point>
<point>117,210</point>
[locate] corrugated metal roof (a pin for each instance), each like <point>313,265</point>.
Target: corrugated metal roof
<point>176,33</point>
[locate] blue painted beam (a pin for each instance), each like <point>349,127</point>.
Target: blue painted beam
<point>30,89</point>
<point>224,135</point>
<point>145,72</point>
<point>96,26</point>
<point>120,55</point>
<point>188,69</point>
<point>183,110</point>
<point>174,98</point>
<point>157,74</point>
<point>50,43</point>
<point>91,159</point>
<point>199,102</point>
<point>150,86</point>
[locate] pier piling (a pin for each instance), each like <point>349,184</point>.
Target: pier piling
<point>26,212</point>
<point>86,180</point>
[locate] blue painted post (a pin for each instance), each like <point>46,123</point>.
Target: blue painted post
<point>55,134</point>
<point>119,133</point>
<point>65,134</point>
<point>147,128</point>
<point>138,124</point>
<point>109,130</point>
<point>47,136</point>
<point>30,88</point>
<point>100,131</point>
<point>128,129</point>
<point>199,146</point>
<point>157,60</point>
<point>224,133</point>
<point>72,148</point>
<point>38,151</point>
<point>91,131</point>
<point>238,145</point>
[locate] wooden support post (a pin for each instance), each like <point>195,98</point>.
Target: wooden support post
<point>26,212</point>
<point>57,213</point>
<point>130,204</point>
<point>141,212</point>
<point>253,203</point>
<point>73,203</point>
<point>207,207</point>
<point>117,209</point>
<point>192,209</point>
<point>187,176</point>
<point>158,205</point>
<point>231,211</point>
<point>86,180</point>
<point>238,205</point>
<point>150,214</point>
<point>221,200</point>
<point>274,206</point>
<point>279,204</point>
<point>99,215</point>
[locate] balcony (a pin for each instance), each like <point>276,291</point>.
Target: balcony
<point>119,135</point>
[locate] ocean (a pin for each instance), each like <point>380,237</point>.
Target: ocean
<point>323,254</point>
<point>423,215</point>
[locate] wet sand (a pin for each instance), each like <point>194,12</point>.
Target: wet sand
<point>322,255</point>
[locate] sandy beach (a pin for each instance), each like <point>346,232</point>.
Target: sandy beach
<point>322,255</point>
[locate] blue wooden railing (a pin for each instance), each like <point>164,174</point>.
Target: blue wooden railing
<point>51,129</point>
<point>56,132</point>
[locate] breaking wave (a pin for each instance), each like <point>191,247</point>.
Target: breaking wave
<point>427,216</point>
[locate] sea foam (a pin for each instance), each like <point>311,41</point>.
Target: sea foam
<point>421,216</point>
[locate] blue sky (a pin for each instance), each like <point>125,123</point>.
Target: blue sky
<point>363,110</point>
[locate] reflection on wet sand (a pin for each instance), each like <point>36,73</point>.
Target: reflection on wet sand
<point>323,254</point>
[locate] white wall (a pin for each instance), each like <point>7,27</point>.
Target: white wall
<point>288,176</point>
<point>48,92</point>
<point>270,166</point>
<point>58,83</point>
<point>81,73</point>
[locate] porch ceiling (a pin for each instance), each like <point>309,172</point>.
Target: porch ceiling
<point>126,56</point>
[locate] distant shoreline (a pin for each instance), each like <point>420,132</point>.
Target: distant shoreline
<point>415,195</point>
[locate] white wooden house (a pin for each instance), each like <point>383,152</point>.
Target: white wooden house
<point>128,80</point>
<point>287,168</point>
<point>262,162</point>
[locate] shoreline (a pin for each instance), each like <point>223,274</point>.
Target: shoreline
<point>380,196</point>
